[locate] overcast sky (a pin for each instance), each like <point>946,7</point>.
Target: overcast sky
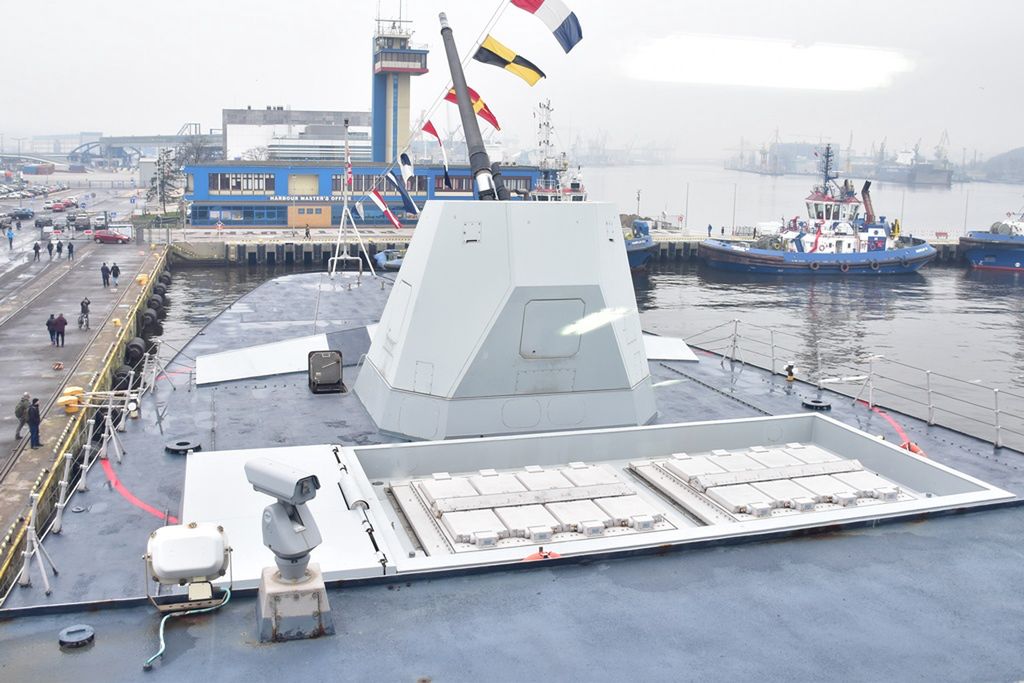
<point>692,75</point>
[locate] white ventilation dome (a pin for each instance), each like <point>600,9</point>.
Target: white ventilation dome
<point>509,317</point>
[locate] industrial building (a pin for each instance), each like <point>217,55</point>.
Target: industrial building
<point>284,134</point>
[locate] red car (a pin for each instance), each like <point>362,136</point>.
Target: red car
<point>109,237</point>
<point>58,206</point>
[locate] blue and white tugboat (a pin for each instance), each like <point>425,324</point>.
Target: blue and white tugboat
<point>1001,248</point>
<point>835,238</point>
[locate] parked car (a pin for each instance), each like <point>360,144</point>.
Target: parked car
<point>43,221</point>
<point>57,206</point>
<point>109,237</point>
<point>23,214</point>
<point>70,202</point>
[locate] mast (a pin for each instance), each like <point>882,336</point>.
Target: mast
<point>479,162</point>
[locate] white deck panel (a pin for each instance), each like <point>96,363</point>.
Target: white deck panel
<point>810,454</point>
<point>479,527</point>
<point>589,475</point>
<point>436,489</point>
<point>738,497</point>
<point>628,510</point>
<point>783,491</point>
<point>773,457</point>
<point>735,462</point>
<point>688,468</point>
<point>528,521</point>
<point>496,483</point>
<point>540,480</point>
<point>580,515</point>
<point>864,483</point>
<point>667,348</point>
<point>825,487</point>
<point>217,491</point>
<point>262,360</point>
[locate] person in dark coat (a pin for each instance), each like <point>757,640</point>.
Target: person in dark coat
<point>60,249</point>
<point>71,251</point>
<point>115,272</point>
<point>49,249</point>
<point>36,248</point>
<point>33,423</point>
<point>105,272</point>
<point>58,327</point>
<point>49,328</point>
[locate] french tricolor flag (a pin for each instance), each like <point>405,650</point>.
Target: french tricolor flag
<point>557,17</point>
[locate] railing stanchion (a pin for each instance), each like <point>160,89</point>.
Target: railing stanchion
<point>931,404</point>
<point>771,336</point>
<point>999,428</point>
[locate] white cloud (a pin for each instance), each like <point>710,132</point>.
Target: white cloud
<point>764,62</point>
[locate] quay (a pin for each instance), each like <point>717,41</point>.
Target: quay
<point>88,360</point>
<point>287,246</point>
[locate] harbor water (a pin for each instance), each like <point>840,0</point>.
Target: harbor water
<point>944,337</point>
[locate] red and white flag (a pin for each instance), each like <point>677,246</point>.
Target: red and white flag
<point>382,205</point>
<point>348,165</point>
<point>428,128</point>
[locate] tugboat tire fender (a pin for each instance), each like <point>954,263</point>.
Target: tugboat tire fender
<point>874,265</point>
<point>904,261</point>
<point>814,265</point>
<point>844,267</point>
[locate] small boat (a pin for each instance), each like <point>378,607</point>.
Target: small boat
<point>640,246</point>
<point>1000,248</point>
<point>389,259</point>
<point>835,238</point>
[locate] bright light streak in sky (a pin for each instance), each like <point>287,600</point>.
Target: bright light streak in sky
<point>766,63</point>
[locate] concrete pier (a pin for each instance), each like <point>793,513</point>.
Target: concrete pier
<point>282,247</point>
<point>87,359</point>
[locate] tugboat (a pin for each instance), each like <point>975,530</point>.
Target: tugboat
<point>1001,248</point>
<point>834,239</point>
<point>640,246</point>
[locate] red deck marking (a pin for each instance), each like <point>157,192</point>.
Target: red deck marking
<point>129,496</point>
<point>888,418</point>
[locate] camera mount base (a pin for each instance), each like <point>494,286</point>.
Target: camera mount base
<point>289,610</point>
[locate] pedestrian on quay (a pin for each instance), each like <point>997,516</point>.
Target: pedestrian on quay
<point>58,327</point>
<point>21,412</point>
<point>709,231</point>
<point>49,328</point>
<point>49,248</point>
<point>36,248</point>
<point>33,423</point>
<point>60,250</point>
<point>17,224</point>
<point>723,230</point>
<point>83,318</point>
<point>307,231</point>
<point>105,272</point>
<point>115,272</point>
<point>71,250</point>
<point>10,238</point>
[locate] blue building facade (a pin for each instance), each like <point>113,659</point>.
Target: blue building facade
<point>258,194</point>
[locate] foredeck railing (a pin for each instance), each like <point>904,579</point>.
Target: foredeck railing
<point>982,410</point>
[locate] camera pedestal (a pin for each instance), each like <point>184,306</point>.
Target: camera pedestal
<point>288,610</point>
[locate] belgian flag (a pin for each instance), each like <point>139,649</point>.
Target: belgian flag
<point>493,52</point>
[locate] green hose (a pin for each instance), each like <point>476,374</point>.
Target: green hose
<point>163,645</point>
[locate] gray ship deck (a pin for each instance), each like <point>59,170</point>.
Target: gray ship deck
<point>929,600</point>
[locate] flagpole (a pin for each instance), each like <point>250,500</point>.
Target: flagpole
<point>346,215</point>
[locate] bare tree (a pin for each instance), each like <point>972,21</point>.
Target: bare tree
<point>166,179</point>
<point>256,154</point>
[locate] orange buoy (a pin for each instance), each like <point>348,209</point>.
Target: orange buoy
<point>913,448</point>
